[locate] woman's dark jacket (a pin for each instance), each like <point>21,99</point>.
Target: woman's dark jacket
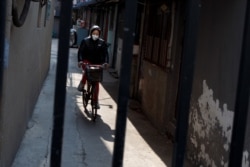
<point>96,52</point>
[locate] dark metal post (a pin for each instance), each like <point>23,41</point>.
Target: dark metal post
<point>60,89</point>
<point>186,79</point>
<point>2,38</point>
<point>242,98</point>
<point>128,41</point>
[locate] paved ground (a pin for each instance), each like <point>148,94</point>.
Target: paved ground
<point>86,143</point>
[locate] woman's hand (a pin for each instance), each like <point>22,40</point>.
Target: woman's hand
<point>105,65</point>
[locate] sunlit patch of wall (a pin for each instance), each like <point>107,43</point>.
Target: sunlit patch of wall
<point>210,129</point>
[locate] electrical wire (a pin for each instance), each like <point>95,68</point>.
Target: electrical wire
<point>19,21</point>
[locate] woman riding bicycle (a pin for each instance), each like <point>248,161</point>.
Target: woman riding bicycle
<point>93,50</point>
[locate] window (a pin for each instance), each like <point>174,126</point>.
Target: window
<point>157,33</point>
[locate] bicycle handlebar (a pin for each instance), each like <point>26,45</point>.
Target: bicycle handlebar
<point>104,65</point>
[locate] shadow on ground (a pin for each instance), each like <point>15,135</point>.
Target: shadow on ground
<point>161,145</point>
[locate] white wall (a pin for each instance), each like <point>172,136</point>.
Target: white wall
<point>27,67</point>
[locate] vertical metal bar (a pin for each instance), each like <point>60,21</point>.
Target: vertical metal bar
<point>128,41</point>
<point>2,38</point>
<point>186,80</point>
<point>61,76</point>
<point>242,98</point>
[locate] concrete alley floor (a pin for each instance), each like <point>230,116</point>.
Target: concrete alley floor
<point>85,143</point>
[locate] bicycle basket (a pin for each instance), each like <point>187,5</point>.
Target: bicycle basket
<point>94,74</point>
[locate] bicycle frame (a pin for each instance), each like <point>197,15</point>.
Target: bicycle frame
<point>93,79</point>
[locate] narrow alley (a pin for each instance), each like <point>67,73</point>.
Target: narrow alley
<point>87,143</point>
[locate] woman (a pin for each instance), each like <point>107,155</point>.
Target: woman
<point>93,50</point>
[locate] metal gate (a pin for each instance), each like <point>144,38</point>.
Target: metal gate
<point>186,75</point>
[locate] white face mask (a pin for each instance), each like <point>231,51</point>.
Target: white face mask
<point>95,37</point>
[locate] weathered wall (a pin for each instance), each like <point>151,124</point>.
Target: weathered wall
<point>157,85</point>
<point>215,81</point>
<point>154,93</point>
<point>28,64</point>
